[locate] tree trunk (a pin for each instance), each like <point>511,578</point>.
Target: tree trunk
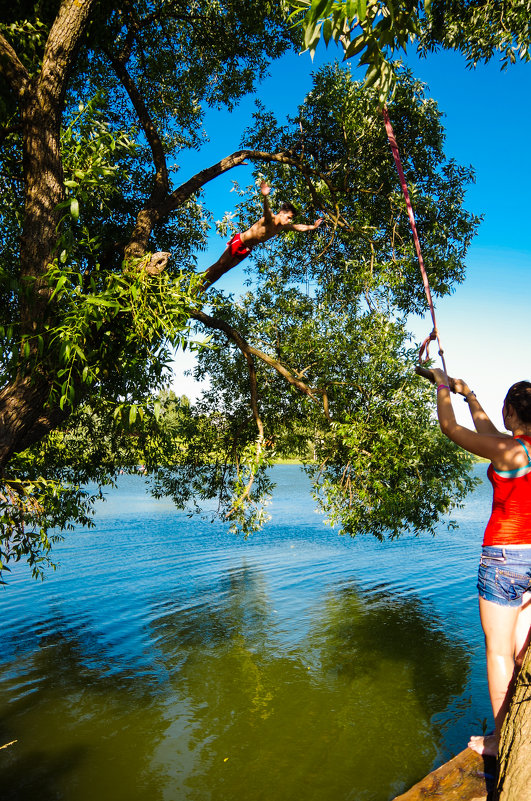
<point>514,779</point>
<point>466,777</point>
<point>25,416</point>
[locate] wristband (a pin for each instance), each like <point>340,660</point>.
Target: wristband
<point>443,386</point>
<point>467,395</point>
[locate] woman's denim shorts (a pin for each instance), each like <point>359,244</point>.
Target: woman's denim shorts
<point>504,574</point>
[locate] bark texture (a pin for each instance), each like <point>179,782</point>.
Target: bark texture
<point>25,416</point>
<point>514,782</point>
<point>467,777</point>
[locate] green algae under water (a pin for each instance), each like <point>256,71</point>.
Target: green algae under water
<point>168,660</point>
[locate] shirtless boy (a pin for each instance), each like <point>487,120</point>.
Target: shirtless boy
<point>265,228</point>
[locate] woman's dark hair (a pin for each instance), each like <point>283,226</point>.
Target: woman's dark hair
<point>519,397</point>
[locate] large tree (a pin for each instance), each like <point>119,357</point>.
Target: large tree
<point>98,102</point>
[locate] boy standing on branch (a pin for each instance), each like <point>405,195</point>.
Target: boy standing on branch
<point>265,228</point>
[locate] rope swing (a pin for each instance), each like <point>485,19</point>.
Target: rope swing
<point>423,353</point>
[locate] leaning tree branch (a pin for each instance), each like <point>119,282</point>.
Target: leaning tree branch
<point>162,185</point>
<point>183,192</point>
<point>246,349</point>
<point>155,211</point>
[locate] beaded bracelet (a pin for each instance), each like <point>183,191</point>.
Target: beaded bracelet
<point>443,386</point>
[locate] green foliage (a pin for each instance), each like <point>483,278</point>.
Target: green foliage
<point>32,512</point>
<point>97,331</point>
<point>46,492</point>
<point>329,307</point>
<point>328,376</point>
<point>367,249</point>
<point>386,465</point>
<point>378,31</point>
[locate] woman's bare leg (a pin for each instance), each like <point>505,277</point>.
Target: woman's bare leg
<point>499,626</point>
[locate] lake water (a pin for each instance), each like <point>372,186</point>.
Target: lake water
<point>168,660</point>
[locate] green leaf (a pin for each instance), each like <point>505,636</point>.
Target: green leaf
<point>74,208</point>
<point>309,33</point>
<point>96,301</point>
<point>59,285</point>
<point>132,414</point>
<point>356,46</point>
<point>351,8</point>
<point>317,9</point>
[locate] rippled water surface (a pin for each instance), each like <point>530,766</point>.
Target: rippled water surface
<point>168,659</point>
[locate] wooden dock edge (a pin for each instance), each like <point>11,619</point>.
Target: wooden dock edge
<point>466,777</point>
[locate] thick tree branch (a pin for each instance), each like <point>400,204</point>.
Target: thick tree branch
<point>13,69</point>
<point>162,186</point>
<point>25,416</point>
<point>155,212</point>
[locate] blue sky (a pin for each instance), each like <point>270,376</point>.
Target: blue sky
<point>484,324</point>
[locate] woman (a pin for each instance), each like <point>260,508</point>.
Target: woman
<point>504,579</point>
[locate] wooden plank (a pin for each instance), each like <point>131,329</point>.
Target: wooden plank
<point>466,777</point>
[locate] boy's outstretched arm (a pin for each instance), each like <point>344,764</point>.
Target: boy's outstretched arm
<point>303,226</point>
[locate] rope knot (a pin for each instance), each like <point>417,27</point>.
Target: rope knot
<point>424,353</point>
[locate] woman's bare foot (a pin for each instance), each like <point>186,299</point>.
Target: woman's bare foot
<point>488,745</point>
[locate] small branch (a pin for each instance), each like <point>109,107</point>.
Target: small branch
<point>12,67</point>
<point>325,405</point>
<point>254,395</point>
<point>243,345</point>
<point>260,441</point>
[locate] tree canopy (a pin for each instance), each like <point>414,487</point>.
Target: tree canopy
<point>379,30</point>
<point>99,284</point>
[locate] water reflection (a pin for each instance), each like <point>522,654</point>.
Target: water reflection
<point>359,629</point>
<point>168,662</point>
<point>85,727</point>
<point>219,704</point>
<point>344,714</point>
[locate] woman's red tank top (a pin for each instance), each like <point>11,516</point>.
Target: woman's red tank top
<point>510,520</point>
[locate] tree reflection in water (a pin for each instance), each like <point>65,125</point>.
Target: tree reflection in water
<point>207,696</point>
<point>347,712</point>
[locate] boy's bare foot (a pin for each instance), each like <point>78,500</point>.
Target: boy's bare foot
<point>488,745</point>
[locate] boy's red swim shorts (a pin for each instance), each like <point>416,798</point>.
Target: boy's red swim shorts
<point>236,248</point>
